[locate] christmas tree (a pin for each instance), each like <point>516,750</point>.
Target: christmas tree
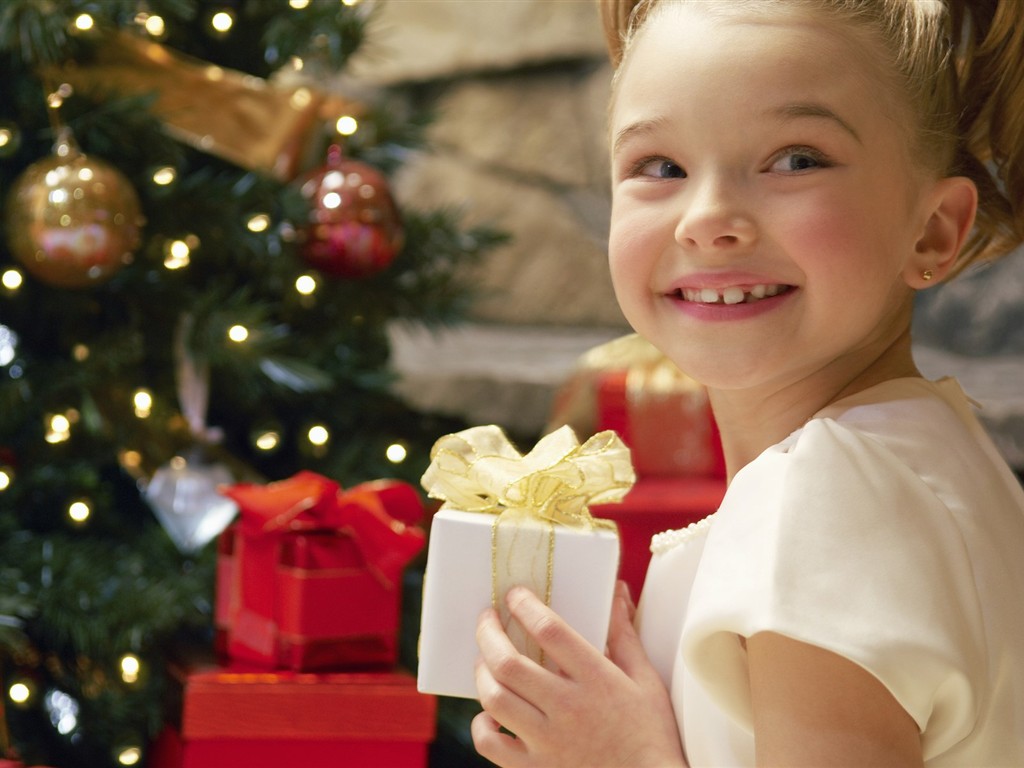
<point>200,258</point>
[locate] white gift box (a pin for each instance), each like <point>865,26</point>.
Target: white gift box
<point>457,588</point>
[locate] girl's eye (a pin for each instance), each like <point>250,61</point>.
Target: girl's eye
<point>658,168</point>
<point>799,159</point>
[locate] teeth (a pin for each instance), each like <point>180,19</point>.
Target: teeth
<point>731,295</point>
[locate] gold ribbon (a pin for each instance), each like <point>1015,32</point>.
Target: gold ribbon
<point>479,470</point>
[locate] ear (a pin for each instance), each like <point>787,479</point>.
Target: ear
<point>950,209</point>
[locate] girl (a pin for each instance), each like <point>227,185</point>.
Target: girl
<point>786,175</point>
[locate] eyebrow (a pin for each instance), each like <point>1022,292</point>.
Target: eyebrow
<point>640,127</point>
<point>813,109</point>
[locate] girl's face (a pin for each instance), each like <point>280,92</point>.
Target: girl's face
<point>764,207</point>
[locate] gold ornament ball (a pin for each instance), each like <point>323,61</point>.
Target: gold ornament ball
<point>72,220</point>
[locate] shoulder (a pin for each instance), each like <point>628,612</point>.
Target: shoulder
<point>834,539</point>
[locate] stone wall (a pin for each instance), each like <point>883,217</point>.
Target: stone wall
<point>520,89</point>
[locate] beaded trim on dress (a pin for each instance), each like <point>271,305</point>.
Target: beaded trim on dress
<point>666,540</point>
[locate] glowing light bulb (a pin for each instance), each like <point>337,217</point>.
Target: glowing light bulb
<point>19,693</point>
<point>84,22</point>
<point>79,511</point>
<point>12,279</point>
<point>238,333</point>
<point>6,478</point>
<point>268,441</point>
<point>346,125</point>
<point>155,26</point>
<point>305,284</point>
<point>396,453</point>
<point>58,429</point>
<point>129,756</point>
<point>318,434</point>
<point>164,176</point>
<point>177,254</point>
<point>130,668</point>
<point>298,5</point>
<point>222,21</point>
<point>143,402</point>
<point>258,223</point>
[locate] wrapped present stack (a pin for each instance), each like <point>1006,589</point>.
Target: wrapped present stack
<point>629,387</point>
<point>308,600</point>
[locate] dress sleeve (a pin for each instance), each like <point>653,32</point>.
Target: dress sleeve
<point>835,542</point>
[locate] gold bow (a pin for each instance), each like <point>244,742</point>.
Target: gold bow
<point>479,470</point>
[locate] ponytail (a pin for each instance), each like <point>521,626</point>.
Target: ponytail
<point>991,120</point>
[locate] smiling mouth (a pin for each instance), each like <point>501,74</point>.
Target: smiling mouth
<point>731,295</point>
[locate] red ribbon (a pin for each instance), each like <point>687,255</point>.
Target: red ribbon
<point>378,517</point>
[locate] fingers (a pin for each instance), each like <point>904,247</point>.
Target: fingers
<point>494,745</point>
<point>622,591</point>
<point>570,653</point>
<point>507,682</point>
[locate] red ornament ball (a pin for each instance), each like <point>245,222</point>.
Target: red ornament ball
<point>73,220</point>
<point>354,228</point>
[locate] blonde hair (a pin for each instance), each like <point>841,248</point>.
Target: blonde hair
<point>958,66</point>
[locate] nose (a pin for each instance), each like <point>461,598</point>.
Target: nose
<point>714,217</point>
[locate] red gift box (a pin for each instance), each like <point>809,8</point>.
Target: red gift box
<point>310,577</point>
<point>236,716</point>
<point>669,429</point>
<point>663,415</point>
<point>653,505</point>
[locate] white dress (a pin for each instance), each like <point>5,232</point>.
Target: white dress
<point>888,530</point>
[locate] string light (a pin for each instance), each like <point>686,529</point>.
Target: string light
<point>238,333</point>
<point>350,2</point>
<point>143,402</point>
<point>6,137</point>
<point>396,453</point>
<point>20,693</point>
<point>346,125</point>
<point>258,223</point>
<point>63,711</point>
<point>8,345</point>
<point>130,459</point>
<point>268,440</point>
<point>301,98</point>
<point>84,22</point>
<point>79,511</point>
<point>58,429</point>
<point>155,26</point>
<point>129,756</point>
<point>80,352</point>
<point>6,478</point>
<point>298,5</point>
<point>222,21</point>
<point>12,279</point>
<point>130,668</point>
<point>305,284</point>
<point>318,435</point>
<point>164,176</point>
<point>177,254</point>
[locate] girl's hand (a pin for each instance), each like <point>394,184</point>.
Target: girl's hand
<point>596,711</point>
